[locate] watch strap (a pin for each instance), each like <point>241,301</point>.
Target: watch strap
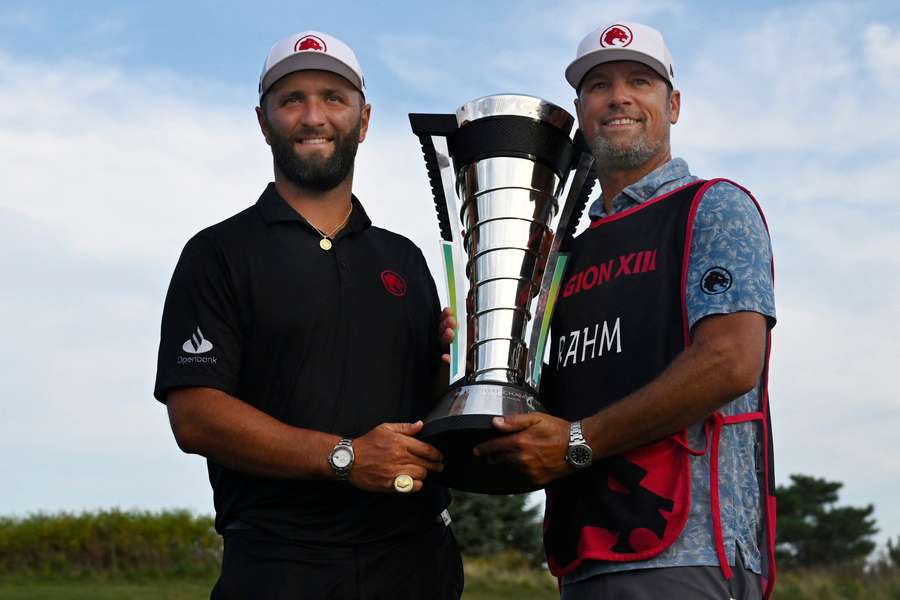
<point>575,434</point>
<point>579,454</point>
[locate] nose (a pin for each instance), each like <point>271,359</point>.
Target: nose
<point>619,93</point>
<point>313,114</point>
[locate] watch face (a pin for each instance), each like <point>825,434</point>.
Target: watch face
<point>341,458</point>
<point>580,455</point>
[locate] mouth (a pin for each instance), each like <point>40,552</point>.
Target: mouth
<point>617,122</point>
<point>314,141</point>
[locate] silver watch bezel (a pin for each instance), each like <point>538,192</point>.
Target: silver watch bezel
<point>345,446</point>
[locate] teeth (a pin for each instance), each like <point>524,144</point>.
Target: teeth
<point>622,122</point>
<point>320,140</point>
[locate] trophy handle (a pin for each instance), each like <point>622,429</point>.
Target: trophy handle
<point>576,199</point>
<point>433,131</point>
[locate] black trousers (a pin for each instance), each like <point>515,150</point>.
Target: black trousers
<point>427,566</point>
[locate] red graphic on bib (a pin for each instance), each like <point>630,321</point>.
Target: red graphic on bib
<point>617,36</point>
<point>393,283</point>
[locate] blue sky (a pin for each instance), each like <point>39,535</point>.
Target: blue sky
<point>125,128</point>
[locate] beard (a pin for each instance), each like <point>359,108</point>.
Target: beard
<point>610,158</point>
<point>316,173</point>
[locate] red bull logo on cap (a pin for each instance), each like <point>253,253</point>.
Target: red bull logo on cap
<point>310,42</point>
<point>616,36</point>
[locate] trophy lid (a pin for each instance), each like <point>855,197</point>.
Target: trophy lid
<point>515,105</point>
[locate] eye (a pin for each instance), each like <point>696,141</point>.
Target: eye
<point>641,81</point>
<point>599,85</point>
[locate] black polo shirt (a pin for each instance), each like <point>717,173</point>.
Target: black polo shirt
<point>337,341</point>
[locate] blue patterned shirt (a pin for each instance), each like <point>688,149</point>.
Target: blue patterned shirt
<point>728,234</point>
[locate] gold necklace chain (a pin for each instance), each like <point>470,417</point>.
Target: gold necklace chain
<point>325,242</point>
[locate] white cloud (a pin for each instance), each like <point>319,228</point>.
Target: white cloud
<point>795,86</point>
<point>883,53</point>
<point>525,53</point>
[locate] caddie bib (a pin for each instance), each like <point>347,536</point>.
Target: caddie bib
<point>620,321</point>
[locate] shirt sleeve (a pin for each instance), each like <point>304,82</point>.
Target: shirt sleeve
<point>200,339</point>
<point>730,263</point>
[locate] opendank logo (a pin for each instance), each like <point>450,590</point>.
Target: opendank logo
<point>197,344</point>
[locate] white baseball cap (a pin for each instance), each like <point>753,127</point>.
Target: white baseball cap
<point>621,41</point>
<point>310,50</point>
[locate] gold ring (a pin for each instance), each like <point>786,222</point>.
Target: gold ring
<point>403,484</point>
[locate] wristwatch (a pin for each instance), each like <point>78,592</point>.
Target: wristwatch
<point>341,459</point>
<point>579,454</point>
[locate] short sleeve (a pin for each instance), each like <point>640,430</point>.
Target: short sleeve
<point>200,338</point>
<point>730,263</point>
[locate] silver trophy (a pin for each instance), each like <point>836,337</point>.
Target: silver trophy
<point>497,170</point>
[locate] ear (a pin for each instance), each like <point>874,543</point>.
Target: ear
<point>263,126</point>
<point>674,106</point>
<point>364,116</point>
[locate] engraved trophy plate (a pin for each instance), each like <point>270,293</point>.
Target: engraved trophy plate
<point>497,169</point>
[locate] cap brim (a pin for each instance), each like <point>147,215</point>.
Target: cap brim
<point>576,71</point>
<point>306,61</point>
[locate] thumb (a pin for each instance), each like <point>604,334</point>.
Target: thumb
<point>513,423</point>
<point>405,428</point>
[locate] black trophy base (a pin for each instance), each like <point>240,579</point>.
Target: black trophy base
<point>455,435</point>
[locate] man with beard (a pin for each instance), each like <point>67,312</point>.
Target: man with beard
<point>299,349</point>
<point>657,461</point>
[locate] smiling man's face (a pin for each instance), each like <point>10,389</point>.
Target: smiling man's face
<point>625,110</point>
<point>314,121</point>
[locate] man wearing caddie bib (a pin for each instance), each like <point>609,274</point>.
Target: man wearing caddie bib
<point>657,459</point>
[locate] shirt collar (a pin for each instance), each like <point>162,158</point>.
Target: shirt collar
<point>275,209</point>
<point>669,175</point>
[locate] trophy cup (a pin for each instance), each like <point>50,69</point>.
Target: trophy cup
<point>497,169</point>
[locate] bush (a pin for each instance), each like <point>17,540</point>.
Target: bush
<point>488,525</point>
<point>110,542</point>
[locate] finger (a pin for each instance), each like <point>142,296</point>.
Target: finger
<point>445,358</point>
<point>417,472</point>
<point>425,451</point>
<point>409,429</point>
<point>448,332</point>
<point>499,445</point>
<point>513,423</point>
<point>504,457</point>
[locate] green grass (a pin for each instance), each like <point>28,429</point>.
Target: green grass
<point>106,589</point>
<point>198,589</point>
<point>500,579</point>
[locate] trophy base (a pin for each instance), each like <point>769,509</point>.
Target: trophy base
<point>461,421</point>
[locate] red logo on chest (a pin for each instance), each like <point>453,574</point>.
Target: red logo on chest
<point>393,283</point>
